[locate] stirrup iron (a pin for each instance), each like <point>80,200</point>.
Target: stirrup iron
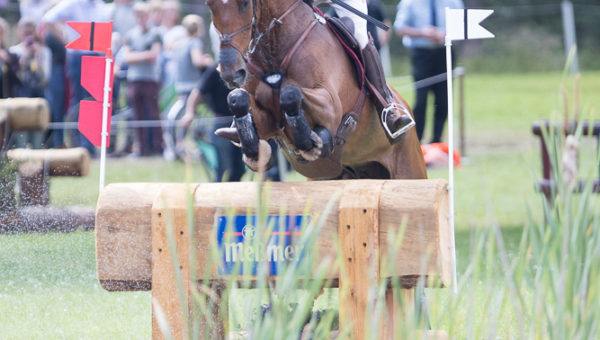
<point>402,130</point>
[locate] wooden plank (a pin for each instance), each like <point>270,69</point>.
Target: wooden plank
<point>358,231</point>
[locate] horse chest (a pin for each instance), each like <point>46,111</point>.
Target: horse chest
<point>264,96</point>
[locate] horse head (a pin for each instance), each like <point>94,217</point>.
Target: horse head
<point>234,21</point>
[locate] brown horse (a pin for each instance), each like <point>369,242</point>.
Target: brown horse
<point>300,87</point>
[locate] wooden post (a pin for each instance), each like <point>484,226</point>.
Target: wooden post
<point>169,220</point>
<point>358,231</point>
<point>171,293</point>
<point>34,185</point>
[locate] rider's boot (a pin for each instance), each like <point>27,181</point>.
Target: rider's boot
<point>395,117</point>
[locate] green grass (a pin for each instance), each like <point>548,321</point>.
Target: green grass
<point>48,287</point>
<point>49,290</point>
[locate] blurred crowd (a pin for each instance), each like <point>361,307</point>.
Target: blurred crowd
<point>152,46</point>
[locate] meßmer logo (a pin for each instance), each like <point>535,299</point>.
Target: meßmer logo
<point>241,246</point>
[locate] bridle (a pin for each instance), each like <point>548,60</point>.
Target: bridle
<point>227,39</point>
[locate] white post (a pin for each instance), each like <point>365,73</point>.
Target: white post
<point>452,244</point>
<point>568,19</point>
<point>105,107</point>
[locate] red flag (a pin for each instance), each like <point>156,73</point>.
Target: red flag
<point>93,36</point>
<point>92,76</point>
<point>90,122</point>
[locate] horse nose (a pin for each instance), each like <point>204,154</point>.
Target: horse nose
<point>227,57</point>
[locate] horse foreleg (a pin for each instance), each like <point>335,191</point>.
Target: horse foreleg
<point>256,152</point>
<point>307,141</point>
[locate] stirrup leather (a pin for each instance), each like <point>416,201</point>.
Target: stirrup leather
<point>402,130</point>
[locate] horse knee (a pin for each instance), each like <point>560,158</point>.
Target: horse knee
<point>290,100</point>
<point>239,102</point>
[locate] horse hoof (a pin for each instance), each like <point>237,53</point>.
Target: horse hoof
<point>229,133</point>
<point>314,153</point>
<point>264,155</point>
<point>239,102</point>
<point>327,139</point>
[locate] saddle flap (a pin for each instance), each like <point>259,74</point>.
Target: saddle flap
<point>344,33</point>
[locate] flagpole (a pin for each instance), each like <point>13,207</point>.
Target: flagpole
<point>105,108</point>
<point>452,244</point>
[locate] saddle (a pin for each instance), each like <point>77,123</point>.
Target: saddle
<point>343,29</point>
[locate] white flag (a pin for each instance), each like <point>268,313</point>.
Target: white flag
<point>463,24</point>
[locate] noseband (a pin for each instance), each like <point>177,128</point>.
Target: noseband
<point>227,39</point>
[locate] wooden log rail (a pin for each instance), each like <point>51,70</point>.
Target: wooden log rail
<point>132,251</point>
<point>543,127</point>
<point>26,114</point>
<point>35,167</point>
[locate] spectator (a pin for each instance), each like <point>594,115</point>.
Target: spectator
<point>156,13</point>
<point>123,17</point>
<point>380,37</point>
<point>422,24</point>
<point>141,51</point>
<point>55,17</point>
<point>189,60</point>
<point>57,97</point>
<point>34,73</point>
<point>213,92</point>
<point>189,56</point>
<point>9,65</point>
<point>172,34</point>
<point>34,9</point>
<point>172,31</point>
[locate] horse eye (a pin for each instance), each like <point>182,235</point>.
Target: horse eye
<point>244,5</point>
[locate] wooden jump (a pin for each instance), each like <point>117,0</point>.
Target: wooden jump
<point>26,114</point>
<point>34,169</point>
<point>132,251</point>
<point>547,184</point>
